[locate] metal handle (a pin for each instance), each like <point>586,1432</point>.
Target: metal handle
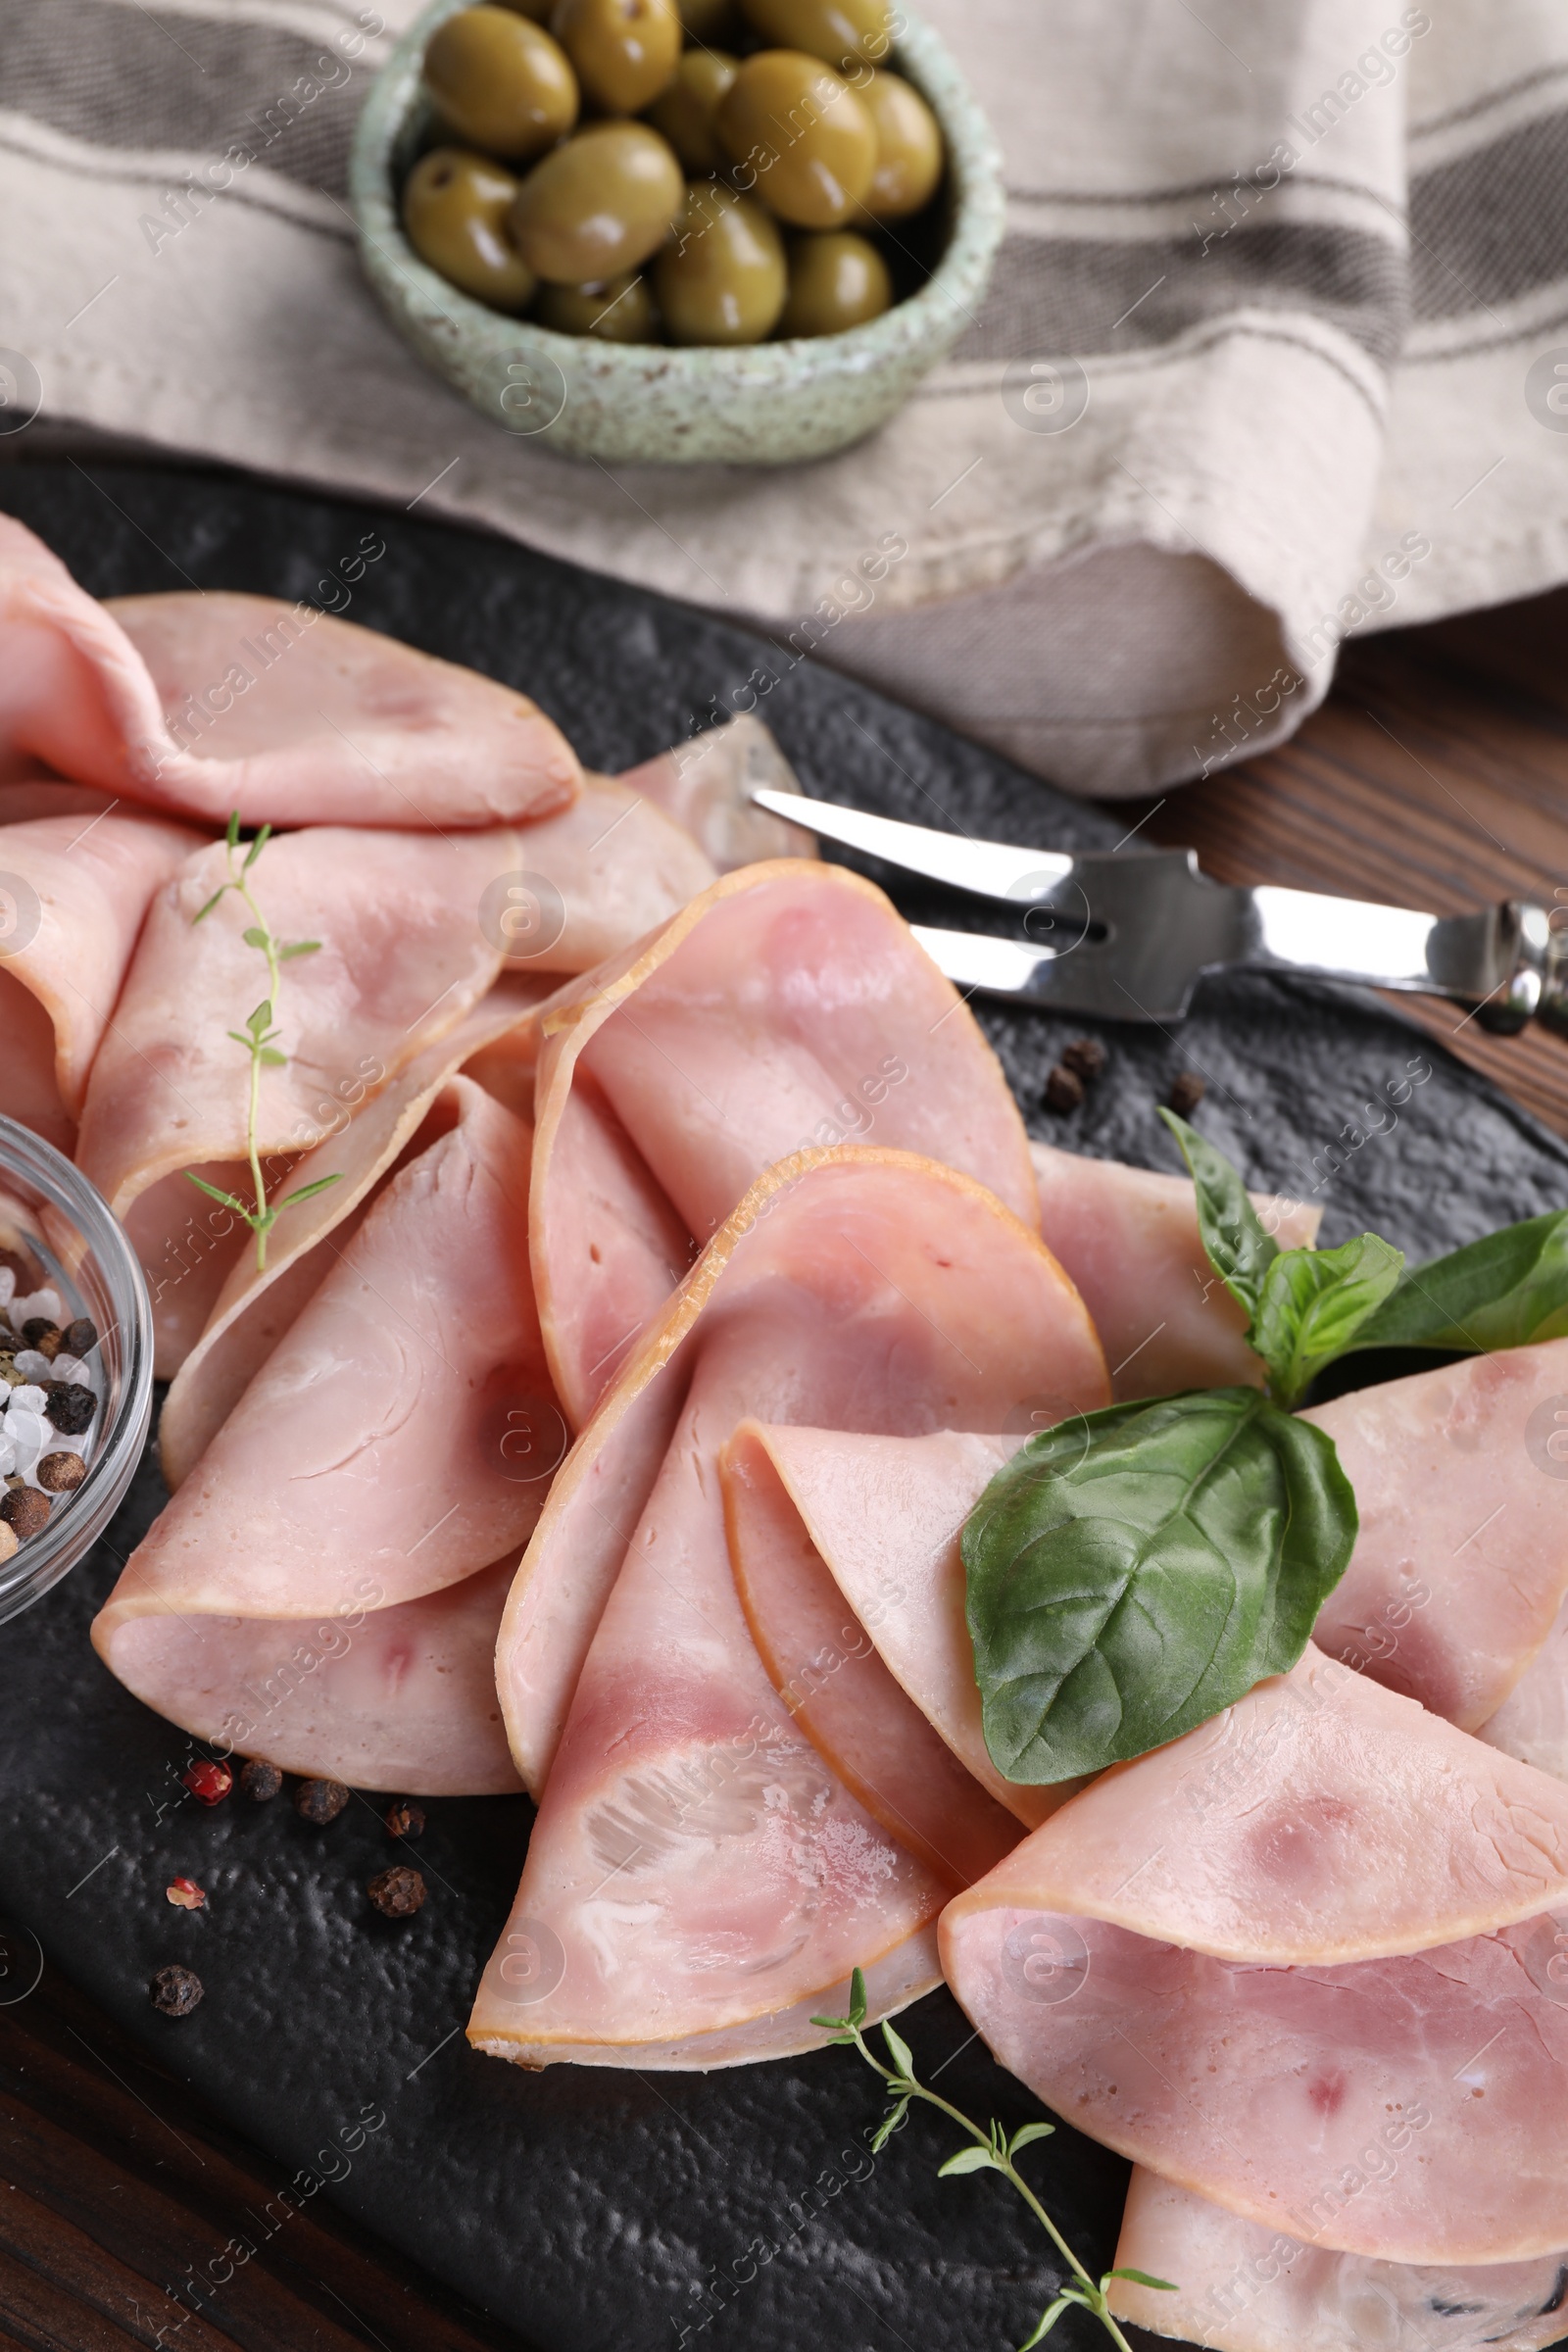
<point>1536,984</point>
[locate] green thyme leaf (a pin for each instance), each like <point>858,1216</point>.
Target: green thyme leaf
<point>300,947</point>
<point>232,835</point>
<point>270,1059</point>
<point>212,1193</point>
<point>211,903</point>
<point>967,2160</point>
<point>256,848</point>
<point>1049,2318</point>
<point>1240,1252</point>
<point>1141,2278</point>
<point>1133,1571</point>
<point>255,937</point>
<point>1504,1291</point>
<point>1313,1302</point>
<point>321,1185</point>
<point>1027,2135</point>
<point>902,2056</point>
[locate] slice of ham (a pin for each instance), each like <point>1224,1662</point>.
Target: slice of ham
<point>1245,2288</point>
<point>1461,1563</point>
<point>401,960</point>
<point>251,1309</point>
<point>695,1864</point>
<point>705,786</point>
<point>1532,1722</point>
<point>600,1494</point>
<point>401,1697</point>
<point>204,703</point>
<point>390,1445</point>
<point>788,1007</point>
<point>834,1686</point>
<point>74,890</point>
<point>594,878</point>
<point>882,1517</point>
<point>1325,1922</point>
<point>1129,1238</point>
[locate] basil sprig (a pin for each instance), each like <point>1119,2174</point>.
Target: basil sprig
<point>1132,1572</point>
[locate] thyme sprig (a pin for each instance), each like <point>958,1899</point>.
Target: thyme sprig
<point>991,2150</point>
<point>259,1038</point>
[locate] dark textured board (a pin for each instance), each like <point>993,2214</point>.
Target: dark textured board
<point>592,2208</point>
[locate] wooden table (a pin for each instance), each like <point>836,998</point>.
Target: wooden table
<point>1436,775</point>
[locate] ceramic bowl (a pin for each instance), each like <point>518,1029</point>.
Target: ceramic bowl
<point>59,1229</point>
<point>767,404</point>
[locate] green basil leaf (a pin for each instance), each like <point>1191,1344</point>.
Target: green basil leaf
<point>1240,1252</point>
<point>1504,1291</point>
<point>1314,1302</point>
<point>1133,1571</point>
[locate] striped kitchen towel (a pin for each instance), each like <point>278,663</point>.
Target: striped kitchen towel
<point>1276,348</point>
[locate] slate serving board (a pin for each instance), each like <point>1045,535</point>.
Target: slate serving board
<point>589,2208</point>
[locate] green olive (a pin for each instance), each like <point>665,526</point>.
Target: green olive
<point>799,136</point>
<point>598,204</point>
<point>455,209</point>
<point>908,147</point>
<point>842,32</point>
<point>501,83</point>
<point>837,280</point>
<point>685,111</point>
<point>625,51</point>
<point>707,21</point>
<point>721,279</point>
<point>621,312</point>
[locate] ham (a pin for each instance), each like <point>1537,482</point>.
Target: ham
<point>1245,2288</point>
<point>1324,1924</point>
<point>705,1878</point>
<point>1129,1238</point>
<point>788,1007</point>
<point>401,960</point>
<point>1532,1722</point>
<point>74,890</point>
<point>705,786</point>
<point>207,702</point>
<point>594,878</point>
<point>882,1518</point>
<point>1462,1564</point>
<point>252,1309</point>
<point>396,1441</point>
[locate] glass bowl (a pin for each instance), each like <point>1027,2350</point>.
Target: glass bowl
<point>54,1218</point>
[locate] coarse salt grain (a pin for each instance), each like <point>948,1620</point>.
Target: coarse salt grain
<point>32,1365</point>
<point>71,1367</point>
<point>8,1285</point>
<point>28,1398</point>
<point>45,1303</point>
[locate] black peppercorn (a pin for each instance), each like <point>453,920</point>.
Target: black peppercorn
<point>404,1820</point>
<point>1188,1090</point>
<point>397,1892</point>
<point>320,1801</point>
<point>1064,1089</point>
<point>176,1990</point>
<point>24,1511</point>
<point>258,1781</point>
<point>81,1337</point>
<point>70,1406</point>
<point>39,1332</point>
<point>1084,1058</point>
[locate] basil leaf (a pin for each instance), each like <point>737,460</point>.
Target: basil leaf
<point>1238,1249</point>
<point>1312,1304</point>
<point>1131,1572</point>
<point>1501,1292</point>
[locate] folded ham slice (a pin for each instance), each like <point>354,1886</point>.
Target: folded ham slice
<point>705,786</point>
<point>1325,1922</point>
<point>788,1007</point>
<point>397,1440</point>
<point>595,877</point>
<point>74,890</point>
<point>1129,1238</point>
<point>251,1309</point>
<point>202,703</point>
<point>1245,2288</point>
<point>702,1874</point>
<point>401,960</point>
<point>881,1517</point>
<point>1532,1722</point>
<point>1461,1563</point>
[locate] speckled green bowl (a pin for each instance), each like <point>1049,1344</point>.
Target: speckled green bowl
<point>768,403</point>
